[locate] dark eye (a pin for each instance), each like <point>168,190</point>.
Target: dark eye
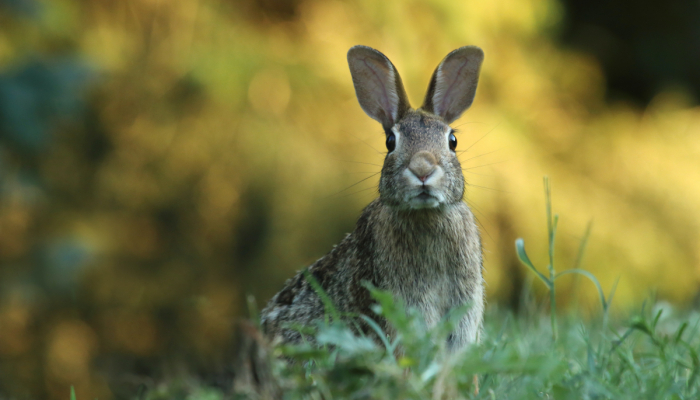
<point>390,142</point>
<point>453,142</point>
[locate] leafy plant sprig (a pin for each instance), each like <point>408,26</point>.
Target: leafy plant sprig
<point>552,222</point>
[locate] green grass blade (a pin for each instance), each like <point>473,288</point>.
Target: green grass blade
<point>682,329</point>
<point>656,318</point>
<point>522,255</point>
<point>582,246</point>
<point>552,240</point>
<point>592,279</point>
<point>551,227</point>
<point>696,364</point>
<point>548,202</point>
<point>382,336</point>
<point>327,302</point>
<point>72,393</point>
<point>612,291</point>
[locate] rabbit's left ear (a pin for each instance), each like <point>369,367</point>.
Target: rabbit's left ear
<point>453,85</point>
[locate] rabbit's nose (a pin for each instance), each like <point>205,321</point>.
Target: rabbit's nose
<point>422,165</point>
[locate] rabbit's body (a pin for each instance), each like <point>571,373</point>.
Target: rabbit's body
<point>418,240</point>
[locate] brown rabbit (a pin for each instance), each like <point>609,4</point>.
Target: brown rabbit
<point>418,240</point>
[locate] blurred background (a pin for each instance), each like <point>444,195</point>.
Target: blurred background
<point>161,160</point>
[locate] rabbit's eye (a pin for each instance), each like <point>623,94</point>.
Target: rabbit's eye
<point>391,142</point>
<point>453,142</point>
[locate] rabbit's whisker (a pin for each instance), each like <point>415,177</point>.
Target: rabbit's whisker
<point>485,187</point>
<point>484,165</point>
<point>356,183</point>
<point>467,123</point>
<point>360,162</point>
<point>480,155</point>
<point>487,133</point>
<point>475,208</point>
<point>365,142</point>
<point>476,173</point>
<point>358,191</point>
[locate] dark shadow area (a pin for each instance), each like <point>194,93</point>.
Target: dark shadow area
<point>643,46</point>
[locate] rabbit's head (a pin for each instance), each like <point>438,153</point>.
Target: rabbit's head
<point>421,169</point>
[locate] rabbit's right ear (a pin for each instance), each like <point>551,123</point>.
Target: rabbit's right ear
<point>377,85</point>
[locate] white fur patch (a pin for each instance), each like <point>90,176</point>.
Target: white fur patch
<point>397,135</point>
<point>447,136</point>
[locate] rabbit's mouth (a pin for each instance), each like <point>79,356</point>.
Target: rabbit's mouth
<point>424,196</point>
<point>424,199</point>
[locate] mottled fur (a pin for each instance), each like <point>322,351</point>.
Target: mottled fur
<point>418,240</point>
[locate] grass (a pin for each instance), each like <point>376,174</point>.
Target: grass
<point>650,355</point>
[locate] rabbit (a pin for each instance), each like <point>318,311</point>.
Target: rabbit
<point>418,240</point>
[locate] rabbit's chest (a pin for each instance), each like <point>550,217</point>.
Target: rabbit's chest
<point>430,277</point>
<point>426,281</point>
<point>432,265</point>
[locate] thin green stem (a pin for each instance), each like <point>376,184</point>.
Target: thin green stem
<point>551,230</point>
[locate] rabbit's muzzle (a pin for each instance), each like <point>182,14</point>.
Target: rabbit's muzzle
<point>423,178</point>
<point>422,165</point>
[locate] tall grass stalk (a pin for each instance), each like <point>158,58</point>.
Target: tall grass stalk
<point>552,222</point>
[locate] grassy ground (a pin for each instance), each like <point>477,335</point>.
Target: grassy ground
<point>652,354</point>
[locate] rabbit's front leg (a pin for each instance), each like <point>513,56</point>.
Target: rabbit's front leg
<point>468,329</point>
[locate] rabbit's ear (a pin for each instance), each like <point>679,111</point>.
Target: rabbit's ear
<point>377,85</point>
<point>453,85</point>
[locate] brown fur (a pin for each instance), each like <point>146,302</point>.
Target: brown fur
<point>419,241</point>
